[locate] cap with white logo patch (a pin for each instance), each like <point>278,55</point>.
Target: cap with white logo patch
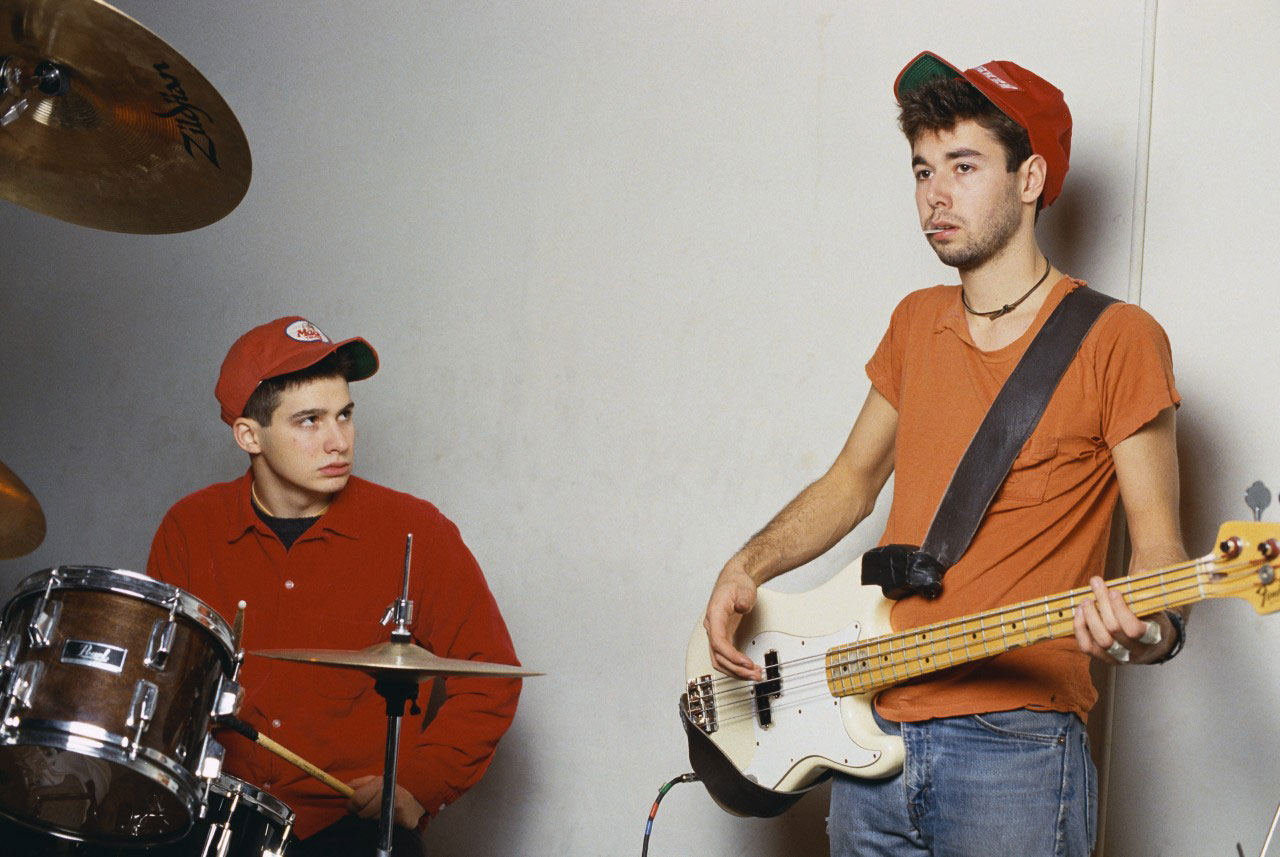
<point>279,347</point>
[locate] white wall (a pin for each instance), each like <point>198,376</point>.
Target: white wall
<point>623,262</point>
<point>1194,770</point>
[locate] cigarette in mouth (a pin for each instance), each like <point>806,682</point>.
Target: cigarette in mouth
<point>935,231</point>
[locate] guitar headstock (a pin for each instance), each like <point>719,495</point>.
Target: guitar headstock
<point>1245,564</point>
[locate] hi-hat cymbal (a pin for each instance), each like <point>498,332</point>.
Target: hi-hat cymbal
<point>21,521</point>
<point>137,141</point>
<point>404,661</point>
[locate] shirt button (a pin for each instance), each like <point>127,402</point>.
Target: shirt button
<point>288,584</point>
<point>275,724</point>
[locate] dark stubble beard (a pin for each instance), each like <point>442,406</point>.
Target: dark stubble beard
<point>986,245</point>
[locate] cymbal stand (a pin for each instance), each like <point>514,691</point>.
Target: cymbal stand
<point>1270,833</point>
<point>396,693</point>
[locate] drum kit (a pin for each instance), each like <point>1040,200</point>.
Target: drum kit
<point>112,683</point>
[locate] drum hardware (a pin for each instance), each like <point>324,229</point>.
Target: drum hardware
<point>227,697</point>
<point>22,524</point>
<point>17,694</point>
<point>10,645</point>
<point>211,756</point>
<point>223,830</point>
<point>1271,832</point>
<point>160,644</point>
<point>43,618</point>
<point>141,710</point>
<point>105,125</point>
<point>398,668</point>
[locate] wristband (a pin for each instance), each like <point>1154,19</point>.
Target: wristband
<point>1179,635</point>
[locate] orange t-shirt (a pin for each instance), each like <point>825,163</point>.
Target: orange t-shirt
<point>1047,529</point>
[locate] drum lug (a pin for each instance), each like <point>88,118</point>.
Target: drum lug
<point>43,621</point>
<point>210,758</point>
<point>141,710</point>
<point>226,700</point>
<point>160,645</point>
<point>224,829</point>
<point>18,692</point>
<point>284,840</point>
<point>12,646</point>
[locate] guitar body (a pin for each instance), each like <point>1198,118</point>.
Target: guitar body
<point>758,765</point>
<point>759,745</point>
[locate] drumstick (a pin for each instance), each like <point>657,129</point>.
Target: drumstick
<point>292,758</point>
<point>237,628</point>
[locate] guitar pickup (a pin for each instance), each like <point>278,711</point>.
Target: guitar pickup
<point>768,689</point>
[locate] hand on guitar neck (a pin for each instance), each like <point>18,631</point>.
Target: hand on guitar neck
<point>1105,621</point>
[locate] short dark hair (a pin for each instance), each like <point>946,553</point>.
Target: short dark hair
<point>939,104</point>
<point>265,398</point>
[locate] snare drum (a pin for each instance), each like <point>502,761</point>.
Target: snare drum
<point>239,821</point>
<point>108,680</point>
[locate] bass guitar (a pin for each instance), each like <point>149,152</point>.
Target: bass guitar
<point>825,654</point>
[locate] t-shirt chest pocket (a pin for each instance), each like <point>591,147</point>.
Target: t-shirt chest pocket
<point>1028,478</point>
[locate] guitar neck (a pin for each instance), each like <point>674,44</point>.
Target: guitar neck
<point>888,660</point>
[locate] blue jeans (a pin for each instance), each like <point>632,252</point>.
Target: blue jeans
<point>1010,784</point>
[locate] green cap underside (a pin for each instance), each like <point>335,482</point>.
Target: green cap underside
<point>364,363</point>
<point>924,69</point>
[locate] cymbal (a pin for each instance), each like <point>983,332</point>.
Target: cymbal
<point>21,521</point>
<point>405,661</point>
<point>137,140</point>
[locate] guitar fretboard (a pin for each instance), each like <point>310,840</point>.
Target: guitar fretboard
<point>894,658</point>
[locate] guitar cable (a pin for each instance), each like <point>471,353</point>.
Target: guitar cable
<point>653,811</point>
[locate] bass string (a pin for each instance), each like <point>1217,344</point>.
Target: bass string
<point>787,703</point>
<point>999,613</point>
<point>890,639</point>
<point>725,701</point>
<point>900,658</point>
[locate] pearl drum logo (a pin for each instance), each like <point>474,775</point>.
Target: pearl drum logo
<point>304,331</point>
<point>190,119</point>
<point>97,655</point>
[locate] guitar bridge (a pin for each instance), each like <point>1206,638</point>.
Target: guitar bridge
<point>702,704</point>
<point>769,689</point>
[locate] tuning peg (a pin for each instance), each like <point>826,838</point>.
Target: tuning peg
<point>1258,498</point>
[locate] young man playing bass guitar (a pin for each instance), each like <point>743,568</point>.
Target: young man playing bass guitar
<point>997,760</point>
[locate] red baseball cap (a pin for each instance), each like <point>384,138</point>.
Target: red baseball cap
<point>278,348</point>
<point>1024,97</point>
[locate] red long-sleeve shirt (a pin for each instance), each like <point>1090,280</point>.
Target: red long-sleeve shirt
<point>329,591</point>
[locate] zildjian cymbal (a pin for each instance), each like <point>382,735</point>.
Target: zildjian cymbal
<point>404,661</point>
<point>102,124</point>
<point>21,521</point>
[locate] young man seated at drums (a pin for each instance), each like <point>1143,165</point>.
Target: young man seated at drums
<point>317,554</point>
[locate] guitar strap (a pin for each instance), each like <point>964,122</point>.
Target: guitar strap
<point>902,570</point>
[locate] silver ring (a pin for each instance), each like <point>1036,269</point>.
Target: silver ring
<point>1119,652</point>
